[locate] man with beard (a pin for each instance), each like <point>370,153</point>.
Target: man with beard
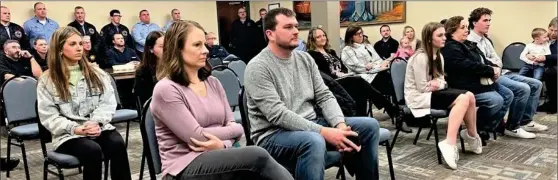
<point>387,46</point>
<point>87,29</point>
<point>119,53</point>
<point>282,88</point>
<point>114,27</point>
<point>10,30</point>
<point>17,62</point>
<point>243,30</point>
<point>550,71</point>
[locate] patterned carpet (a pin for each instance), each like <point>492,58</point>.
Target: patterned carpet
<point>505,158</point>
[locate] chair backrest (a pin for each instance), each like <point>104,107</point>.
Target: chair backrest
<point>238,67</point>
<point>243,107</point>
<point>397,70</point>
<point>230,82</point>
<point>19,97</point>
<point>231,58</point>
<point>116,95</point>
<point>215,62</point>
<point>510,57</point>
<point>149,138</point>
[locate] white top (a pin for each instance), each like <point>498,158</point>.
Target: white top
<point>536,50</point>
<point>356,57</point>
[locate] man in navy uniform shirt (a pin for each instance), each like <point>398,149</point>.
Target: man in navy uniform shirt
<point>11,30</point>
<point>86,29</point>
<point>114,27</point>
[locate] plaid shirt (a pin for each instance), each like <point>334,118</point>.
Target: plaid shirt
<point>61,118</point>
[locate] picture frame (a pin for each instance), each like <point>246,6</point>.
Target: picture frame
<point>273,6</point>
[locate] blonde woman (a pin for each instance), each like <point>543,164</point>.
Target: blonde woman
<point>76,103</point>
<point>409,32</point>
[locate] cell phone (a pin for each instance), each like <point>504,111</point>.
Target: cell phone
<point>354,139</point>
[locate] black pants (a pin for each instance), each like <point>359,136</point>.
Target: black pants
<point>361,91</point>
<point>250,162</point>
<point>91,151</point>
<point>550,80</point>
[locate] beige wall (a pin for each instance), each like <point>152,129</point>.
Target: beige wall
<point>511,21</point>
<point>98,11</point>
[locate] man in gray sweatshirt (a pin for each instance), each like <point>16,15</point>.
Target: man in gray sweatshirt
<point>282,87</point>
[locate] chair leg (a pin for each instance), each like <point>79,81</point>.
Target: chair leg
<point>461,140</point>
<point>390,163</point>
<point>429,134</point>
<point>436,138</point>
<point>394,139</point>
<point>60,173</point>
<point>495,135</point>
<point>106,169</point>
<point>142,165</point>
<point>341,172</point>
<point>45,172</point>
<point>417,136</point>
<point>8,148</point>
<point>24,157</point>
<point>127,132</point>
<point>79,170</point>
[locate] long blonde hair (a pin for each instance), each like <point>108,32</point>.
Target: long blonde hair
<point>413,41</point>
<point>58,71</point>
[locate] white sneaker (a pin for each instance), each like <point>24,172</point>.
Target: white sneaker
<point>534,127</point>
<point>475,143</point>
<point>449,152</point>
<point>520,133</point>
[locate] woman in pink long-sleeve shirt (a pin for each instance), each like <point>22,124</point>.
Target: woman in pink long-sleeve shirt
<point>194,123</point>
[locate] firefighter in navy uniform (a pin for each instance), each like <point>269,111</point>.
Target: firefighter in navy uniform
<point>88,29</point>
<point>114,27</point>
<point>11,30</point>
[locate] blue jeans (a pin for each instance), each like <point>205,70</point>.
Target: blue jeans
<point>491,105</point>
<point>526,92</point>
<point>303,153</point>
<point>528,69</point>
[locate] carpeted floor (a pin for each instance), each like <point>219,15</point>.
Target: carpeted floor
<point>505,158</point>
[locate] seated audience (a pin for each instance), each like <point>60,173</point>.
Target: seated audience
<point>523,92</point>
<point>39,52</point>
<point>409,32</point>
<point>329,63</point>
<point>386,46</point>
<point>194,123</point>
<point>119,53</point>
<point>76,103</point>
<point>215,50</point>
<point>466,69</point>
<point>283,118</point>
<point>550,71</point>
<point>17,62</point>
<point>145,73</point>
<point>88,51</point>
<point>360,58</point>
<point>405,49</point>
<point>426,88</point>
<point>327,60</point>
<point>533,54</point>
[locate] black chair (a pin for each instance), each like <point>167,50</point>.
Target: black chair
<point>58,160</point>
<point>231,83</point>
<point>122,115</point>
<point>19,95</point>
<point>215,62</point>
<point>398,69</point>
<point>243,105</point>
<point>149,138</point>
<point>510,56</point>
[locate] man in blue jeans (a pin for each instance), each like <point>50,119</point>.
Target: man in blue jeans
<point>523,91</point>
<point>282,87</point>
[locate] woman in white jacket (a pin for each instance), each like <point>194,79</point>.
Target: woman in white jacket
<point>426,89</point>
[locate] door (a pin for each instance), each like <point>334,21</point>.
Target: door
<point>226,13</point>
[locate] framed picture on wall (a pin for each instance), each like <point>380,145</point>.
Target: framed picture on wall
<point>303,14</point>
<point>359,12</point>
<point>371,12</point>
<point>273,6</point>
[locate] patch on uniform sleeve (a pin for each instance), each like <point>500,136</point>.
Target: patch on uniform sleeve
<point>91,31</point>
<point>17,34</point>
<point>125,33</point>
